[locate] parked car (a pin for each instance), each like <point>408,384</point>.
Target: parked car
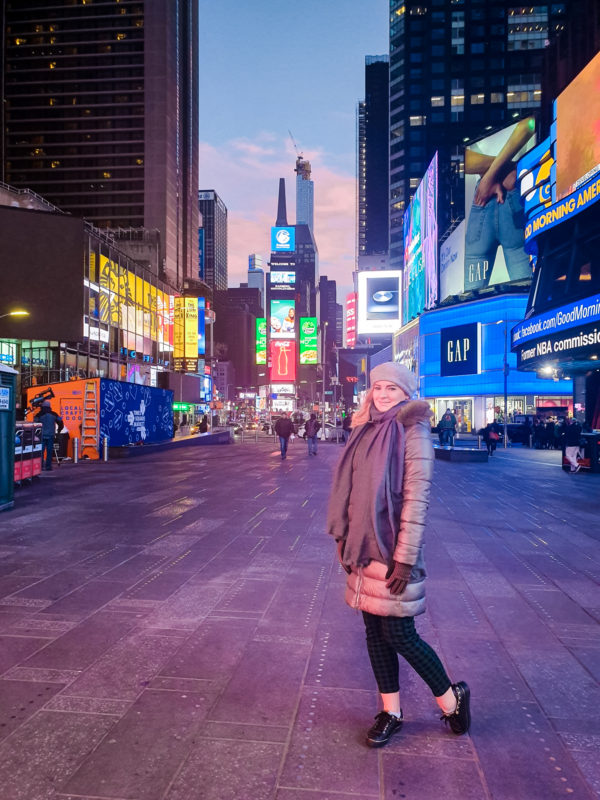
<point>331,433</point>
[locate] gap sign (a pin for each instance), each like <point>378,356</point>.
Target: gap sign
<point>460,351</point>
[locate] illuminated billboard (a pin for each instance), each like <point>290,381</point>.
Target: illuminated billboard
<point>201,326</point>
<point>283,318</point>
<point>283,360</point>
<point>283,240</point>
<point>282,277</point>
<point>351,320</point>
<point>379,295</point>
<point>420,283</point>
<point>495,236</point>
<point>578,130</point>
<point>261,340</point>
<point>185,355</point>
<point>452,261</point>
<point>308,340</point>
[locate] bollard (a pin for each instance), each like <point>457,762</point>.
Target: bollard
<point>479,442</point>
<point>105,448</point>
<point>76,451</point>
<point>256,435</point>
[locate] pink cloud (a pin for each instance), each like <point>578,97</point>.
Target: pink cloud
<point>245,174</point>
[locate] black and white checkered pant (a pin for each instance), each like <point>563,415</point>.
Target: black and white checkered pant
<point>389,637</point>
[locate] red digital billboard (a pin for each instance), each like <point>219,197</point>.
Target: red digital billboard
<point>283,360</point>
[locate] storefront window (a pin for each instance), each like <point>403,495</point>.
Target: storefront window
<point>462,409</point>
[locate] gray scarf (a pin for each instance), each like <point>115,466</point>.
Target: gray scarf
<point>385,492</point>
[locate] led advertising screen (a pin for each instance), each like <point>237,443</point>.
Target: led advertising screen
<point>284,277</point>
<point>261,340</point>
<point>494,237</point>
<point>578,130</point>
<point>420,284</point>
<point>283,240</point>
<point>283,360</point>
<point>379,295</point>
<point>185,356</point>
<point>308,340</point>
<point>452,260</point>
<point>283,319</point>
<point>351,320</point>
<point>201,326</point>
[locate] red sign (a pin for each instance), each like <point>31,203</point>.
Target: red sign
<point>283,360</point>
<point>351,320</point>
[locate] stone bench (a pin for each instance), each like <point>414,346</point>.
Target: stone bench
<point>460,453</point>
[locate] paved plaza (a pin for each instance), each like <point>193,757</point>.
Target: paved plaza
<point>172,627</point>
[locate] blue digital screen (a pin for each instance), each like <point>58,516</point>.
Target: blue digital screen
<point>283,239</point>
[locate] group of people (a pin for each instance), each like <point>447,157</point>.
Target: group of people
<point>285,429</point>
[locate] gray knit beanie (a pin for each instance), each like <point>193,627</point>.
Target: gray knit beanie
<point>396,373</point>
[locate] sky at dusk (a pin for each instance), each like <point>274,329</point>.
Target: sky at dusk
<point>267,66</point>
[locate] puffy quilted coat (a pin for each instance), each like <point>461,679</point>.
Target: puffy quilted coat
<point>365,587</point>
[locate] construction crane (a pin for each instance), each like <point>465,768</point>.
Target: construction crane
<point>298,153</point>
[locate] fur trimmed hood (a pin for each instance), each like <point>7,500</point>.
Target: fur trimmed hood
<point>413,412</point>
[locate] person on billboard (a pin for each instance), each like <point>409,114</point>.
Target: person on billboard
<point>376,515</point>
<point>287,326</point>
<point>51,423</point>
<point>496,217</point>
<point>284,428</point>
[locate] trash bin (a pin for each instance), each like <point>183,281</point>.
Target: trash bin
<point>8,386</point>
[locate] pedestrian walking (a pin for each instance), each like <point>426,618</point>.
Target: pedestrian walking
<point>491,436</point>
<point>572,438</point>
<point>347,427</point>
<point>377,517</point>
<point>447,428</point>
<point>284,428</point>
<point>50,422</point>
<point>203,426</point>
<point>311,429</point>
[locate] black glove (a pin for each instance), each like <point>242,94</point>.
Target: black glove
<point>398,575</point>
<point>341,544</point>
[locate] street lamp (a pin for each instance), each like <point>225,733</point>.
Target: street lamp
<point>505,370</point>
<point>323,330</point>
<point>17,313</point>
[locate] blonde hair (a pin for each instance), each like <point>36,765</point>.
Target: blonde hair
<point>364,412</point>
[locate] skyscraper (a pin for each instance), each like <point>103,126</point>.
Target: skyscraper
<point>100,115</point>
<point>214,215</point>
<point>302,259</point>
<point>256,275</point>
<point>304,194</point>
<point>373,161</point>
<point>457,69</point>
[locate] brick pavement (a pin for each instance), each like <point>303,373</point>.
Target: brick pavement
<point>172,628</point>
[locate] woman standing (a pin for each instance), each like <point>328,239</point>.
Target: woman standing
<point>491,436</point>
<point>377,517</point>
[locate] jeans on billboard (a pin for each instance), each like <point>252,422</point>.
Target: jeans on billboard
<point>312,444</point>
<point>47,450</point>
<point>490,226</point>
<point>283,445</point>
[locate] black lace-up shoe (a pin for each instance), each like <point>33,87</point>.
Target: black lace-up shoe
<point>384,728</point>
<point>460,719</point>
